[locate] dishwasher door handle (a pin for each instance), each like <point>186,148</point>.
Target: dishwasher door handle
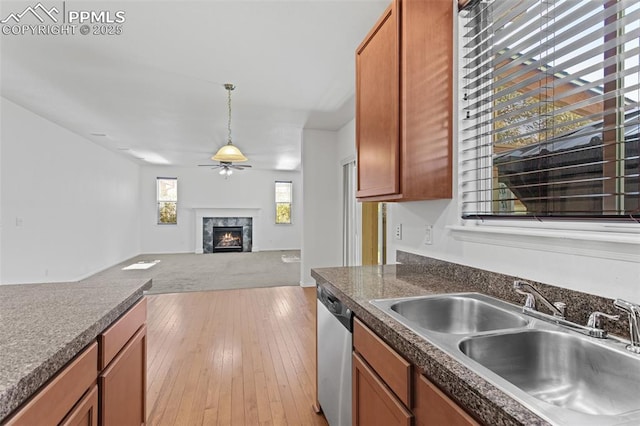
<point>335,307</point>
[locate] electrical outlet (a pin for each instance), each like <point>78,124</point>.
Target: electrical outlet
<point>428,235</point>
<point>398,233</point>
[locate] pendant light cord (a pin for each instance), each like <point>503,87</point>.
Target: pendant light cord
<point>229,89</point>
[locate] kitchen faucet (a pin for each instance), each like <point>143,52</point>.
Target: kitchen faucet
<point>633,310</point>
<point>593,327</point>
<point>522,287</point>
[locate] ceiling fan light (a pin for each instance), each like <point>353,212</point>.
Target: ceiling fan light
<point>229,153</point>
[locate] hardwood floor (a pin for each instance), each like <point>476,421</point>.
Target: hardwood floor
<point>232,357</point>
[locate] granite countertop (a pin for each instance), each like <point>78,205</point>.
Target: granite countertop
<point>43,326</point>
<point>356,286</point>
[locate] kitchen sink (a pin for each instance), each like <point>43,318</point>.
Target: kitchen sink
<point>562,369</point>
<point>457,314</point>
<point>562,376</point>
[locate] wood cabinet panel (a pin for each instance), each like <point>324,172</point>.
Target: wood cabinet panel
<point>52,403</point>
<point>391,367</point>
<point>85,413</point>
<point>123,385</point>
<point>373,401</point>
<point>408,131</point>
<point>377,103</point>
<point>434,408</point>
<point>427,99</point>
<point>113,339</point>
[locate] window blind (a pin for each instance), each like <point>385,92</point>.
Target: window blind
<point>550,118</point>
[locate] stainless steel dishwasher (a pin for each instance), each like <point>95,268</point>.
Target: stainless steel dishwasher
<point>335,342</point>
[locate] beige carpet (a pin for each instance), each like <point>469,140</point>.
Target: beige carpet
<point>177,273</point>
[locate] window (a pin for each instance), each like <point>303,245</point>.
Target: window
<point>283,201</point>
<point>550,109</point>
<point>167,196</point>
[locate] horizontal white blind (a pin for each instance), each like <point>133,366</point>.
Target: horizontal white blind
<point>551,119</point>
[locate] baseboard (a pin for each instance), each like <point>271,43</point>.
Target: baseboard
<point>303,284</point>
<point>90,274</point>
<point>130,258</point>
<point>164,252</point>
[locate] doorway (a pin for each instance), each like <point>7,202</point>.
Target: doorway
<point>374,233</point>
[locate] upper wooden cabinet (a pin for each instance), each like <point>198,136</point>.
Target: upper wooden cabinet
<point>404,93</point>
<point>377,103</point>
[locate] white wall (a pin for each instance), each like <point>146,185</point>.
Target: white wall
<point>204,188</point>
<point>322,215</point>
<point>347,153</point>
<point>347,141</point>
<point>598,267</point>
<point>69,207</point>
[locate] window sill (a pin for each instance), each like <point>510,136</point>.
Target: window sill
<point>601,241</point>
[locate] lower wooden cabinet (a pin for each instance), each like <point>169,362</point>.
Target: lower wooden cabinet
<point>434,408</point>
<point>56,400</point>
<point>85,413</point>
<point>381,381</point>
<point>393,369</point>
<point>123,385</point>
<point>104,385</point>
<point>123,379</point>
<point>386,392</point>
<point>373,401</point>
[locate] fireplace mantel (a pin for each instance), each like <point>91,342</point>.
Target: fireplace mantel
<point>202,212</point>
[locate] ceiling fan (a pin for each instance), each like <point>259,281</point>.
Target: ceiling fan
<point>226,167</point>
<point>229,153</point>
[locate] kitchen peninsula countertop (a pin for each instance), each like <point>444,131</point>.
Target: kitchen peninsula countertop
<point>44,326</point>
<point>356,286</point>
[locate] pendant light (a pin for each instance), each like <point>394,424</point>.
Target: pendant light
<point>229,153</point>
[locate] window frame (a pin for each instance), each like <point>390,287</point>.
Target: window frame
<point>160,201</point>
<point>594,238</point>
<point>486,215</point>
<point>278,203</point>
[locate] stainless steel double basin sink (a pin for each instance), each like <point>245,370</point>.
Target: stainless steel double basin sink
<point>564,377</point>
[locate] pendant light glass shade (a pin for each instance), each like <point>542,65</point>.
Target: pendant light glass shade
<point>229,153</point>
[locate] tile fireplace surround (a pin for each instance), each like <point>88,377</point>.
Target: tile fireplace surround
<point>209,223</point>
<point>248,218</point>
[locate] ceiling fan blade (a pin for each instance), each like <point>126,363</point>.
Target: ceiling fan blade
<point>226,165</point>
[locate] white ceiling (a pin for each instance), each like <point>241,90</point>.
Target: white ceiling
<point>156,90</point>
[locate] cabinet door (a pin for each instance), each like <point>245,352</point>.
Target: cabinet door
<point>377,107</point>
<point>85,412</point>
<point>373,402</point>
<point>427,99</point>
<point>114,338</point>
<point>392,368</point>
<point>123,385</point>
<point>434,408</point>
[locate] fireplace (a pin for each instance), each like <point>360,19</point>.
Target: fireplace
<point>227,238</point>
<point>227,224</point>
